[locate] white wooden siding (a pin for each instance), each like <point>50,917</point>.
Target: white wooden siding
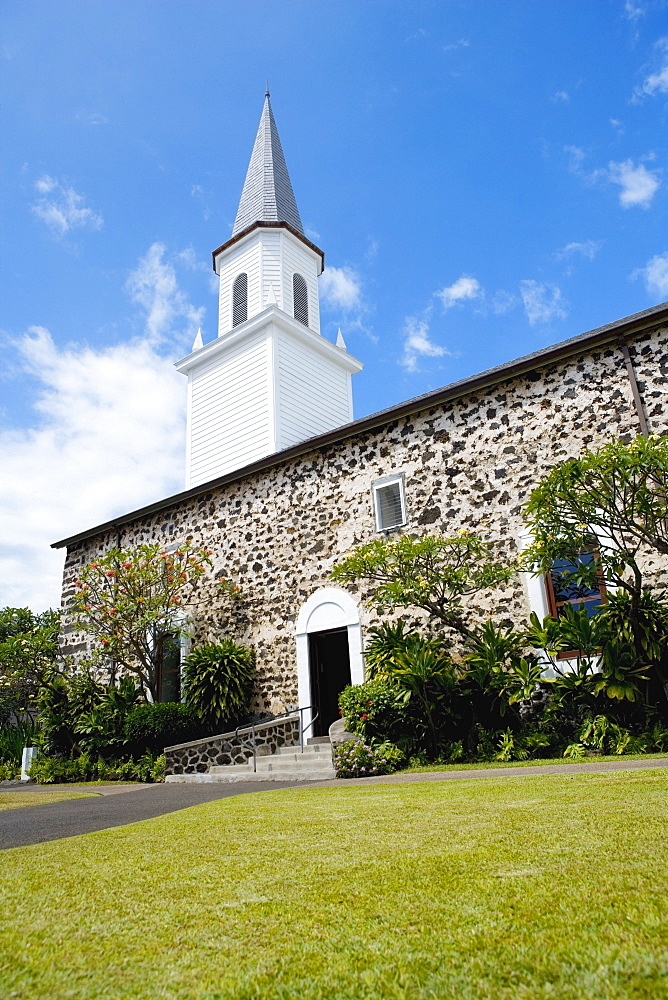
<point>313,393</point>
<point>271,266</point>
<point>297,258</point>
<point>245,258</point>
<point>231,422</point>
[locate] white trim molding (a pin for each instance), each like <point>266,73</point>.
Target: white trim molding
<point>327,608</point>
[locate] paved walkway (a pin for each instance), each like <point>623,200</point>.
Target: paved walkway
<point>116,805</point>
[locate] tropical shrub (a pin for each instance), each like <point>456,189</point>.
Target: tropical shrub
<point>218,682</point>
<point>364,760</point>
<point>613,501</point>
<point>519,746</point>
<point>86,767</point>
<point>28,651</point>
<point>62,702</point>
<point>383,643</point>
<point>13,738</point>
<point>375,709</point>
<point>154,727</point>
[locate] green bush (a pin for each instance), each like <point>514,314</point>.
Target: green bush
<point>13,738</point>
<point>154,727</point>
<point>9,772</point>
<point>364,760</point>
<point>60,770</point>
<point>375,710</point>
<point>62,702</point>
<point>218,681</point>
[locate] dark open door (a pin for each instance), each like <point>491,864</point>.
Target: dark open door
<point>329,662</point>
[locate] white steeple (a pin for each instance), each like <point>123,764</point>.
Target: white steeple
<point>270,380</point>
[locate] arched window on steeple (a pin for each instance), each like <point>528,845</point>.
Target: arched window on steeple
<point>240,299</point>
<point>299,299</point>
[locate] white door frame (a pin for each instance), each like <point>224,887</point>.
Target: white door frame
<point>328,608</point>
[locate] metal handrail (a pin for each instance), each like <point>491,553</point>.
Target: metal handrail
<point>269,722</point>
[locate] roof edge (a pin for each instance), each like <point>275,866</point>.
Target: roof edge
<point>635,323</point>
<point>268,225</point>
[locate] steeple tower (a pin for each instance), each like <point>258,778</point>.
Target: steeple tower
<point>267,195</point>
<point>270,380</point>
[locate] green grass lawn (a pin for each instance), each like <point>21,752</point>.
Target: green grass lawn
<point>528,888</point>
<point>15,800</point>
<point>535,762</point>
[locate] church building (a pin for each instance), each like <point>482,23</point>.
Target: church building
<point>282,482</point>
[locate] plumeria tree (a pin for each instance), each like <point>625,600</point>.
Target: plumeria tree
<point>431,572</point>
<point>129,600</point>
<point>614,502</point>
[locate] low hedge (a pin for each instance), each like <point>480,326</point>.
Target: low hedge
<point>162,724</point>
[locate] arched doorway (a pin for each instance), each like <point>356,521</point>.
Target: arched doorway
<point>329,653</point>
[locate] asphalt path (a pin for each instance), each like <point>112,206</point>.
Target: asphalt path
<point>117,805</point>
<point>108,807</point>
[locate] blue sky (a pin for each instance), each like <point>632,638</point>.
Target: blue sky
<point>485,178</point>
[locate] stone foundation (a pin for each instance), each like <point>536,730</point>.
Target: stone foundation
<point>231,748</point>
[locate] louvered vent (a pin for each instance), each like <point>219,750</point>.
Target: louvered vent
<point>240,299</point>
<point>389,506</point>
<point>300,299</point>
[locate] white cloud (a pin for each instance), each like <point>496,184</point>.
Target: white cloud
<point>108,436</point>
<point>586,248</point>
<point>576,155</point>
<point>461,43</point>
<point>65,209</point>
<point>92,118</point>
<point>633,10</point>
<point>503,302</point>
<point>417,344</point>
<point>45,184</point>
<point>655,274</point>
<point>341,287</point>
<point>656,83</point>
<point>189,259</point>
<point>542,303</point>
<point>463,288</point>
<point>153,285</point>
<point>561,95</point>
<point>372,250</point>
<point>638,184</point>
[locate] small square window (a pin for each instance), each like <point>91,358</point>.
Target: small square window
<point>389,503</point>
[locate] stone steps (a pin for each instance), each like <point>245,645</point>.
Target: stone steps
<point>288,764</point>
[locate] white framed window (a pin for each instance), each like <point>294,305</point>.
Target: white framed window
<point>389,502</point>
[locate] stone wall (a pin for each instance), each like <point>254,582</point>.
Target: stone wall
<point>231,748</point>
<point>468,463</point>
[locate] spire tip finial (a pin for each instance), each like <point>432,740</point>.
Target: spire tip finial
<point>266,90</point>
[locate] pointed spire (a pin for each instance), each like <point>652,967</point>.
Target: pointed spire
<point>340,342</point>
<point>267,195</point>
<point>198,342</point>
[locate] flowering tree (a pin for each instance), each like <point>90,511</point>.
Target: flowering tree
<point>431,572</point>
<point>28,652</point>
<point>128,600</point>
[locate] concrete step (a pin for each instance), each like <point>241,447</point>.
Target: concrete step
<point>210,778</point>
<point>309,752</point>
<point>285,764</point>
<point>313,763</point>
